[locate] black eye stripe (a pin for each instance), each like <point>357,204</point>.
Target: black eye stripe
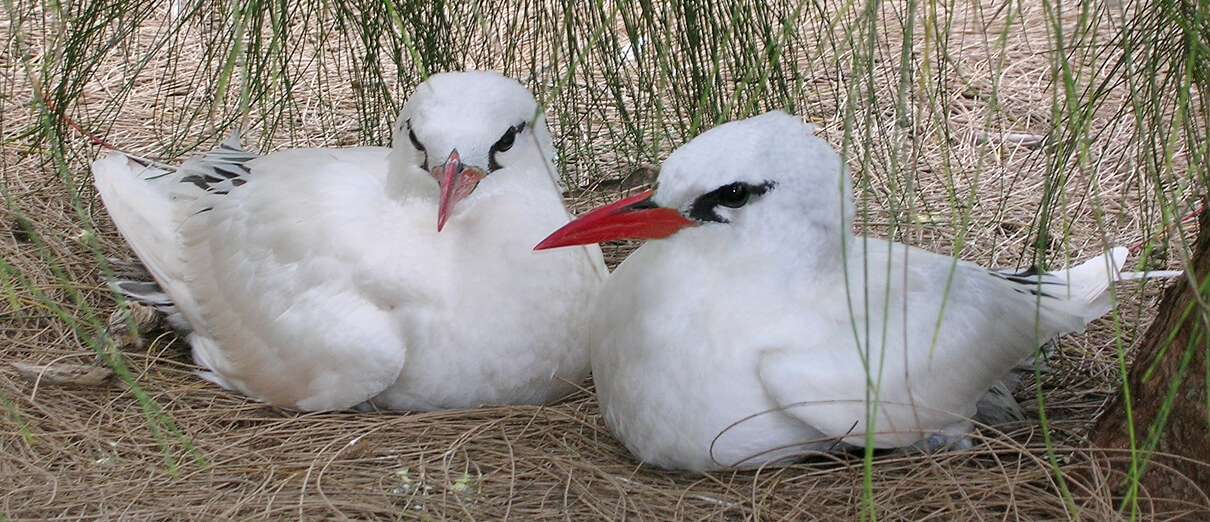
<point>416,143</point>
<point>733,195</point>
<point>503,144</point>
<point>412,136</point>
<point>510,136</point>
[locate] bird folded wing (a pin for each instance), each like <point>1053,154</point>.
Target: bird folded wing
<point>830,396</point>
<point>284,280</point>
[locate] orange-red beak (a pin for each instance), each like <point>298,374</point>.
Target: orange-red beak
<point>456,181</point>
<point>634,217</point>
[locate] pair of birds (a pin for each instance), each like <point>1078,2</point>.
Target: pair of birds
<point>756,329</point>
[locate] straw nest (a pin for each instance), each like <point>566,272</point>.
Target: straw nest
<point>156,442</point>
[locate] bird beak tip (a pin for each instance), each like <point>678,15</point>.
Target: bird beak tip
<point>456,181</point>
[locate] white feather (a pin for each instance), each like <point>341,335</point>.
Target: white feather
<point>770,329</point>
<point>316,279</point>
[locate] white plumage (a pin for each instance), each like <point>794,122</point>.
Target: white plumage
<point>761,327</point>
<point>317,279</point>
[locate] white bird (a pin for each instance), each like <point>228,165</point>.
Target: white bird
<point>317,279</point>
<point>760,327</point>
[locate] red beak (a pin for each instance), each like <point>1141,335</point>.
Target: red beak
<point>634,217</point>
<point>456,181</point>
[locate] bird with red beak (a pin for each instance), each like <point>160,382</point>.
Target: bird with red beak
<point>756,328</point>
<point>395,278</point>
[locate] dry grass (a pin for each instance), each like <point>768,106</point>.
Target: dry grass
<point>193,451</point>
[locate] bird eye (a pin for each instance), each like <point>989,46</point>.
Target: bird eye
<point>734,195</point>
<point>506,141</point>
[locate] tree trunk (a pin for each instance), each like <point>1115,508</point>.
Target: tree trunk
<point>1167,393</point>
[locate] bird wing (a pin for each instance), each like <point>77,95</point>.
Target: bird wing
<point>296,281</point>
<point>924,337</point>
<point>280,265</point>
<point>137,197</point>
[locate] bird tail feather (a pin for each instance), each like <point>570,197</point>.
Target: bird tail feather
<point>143,211</point>
<point>1088,283</point>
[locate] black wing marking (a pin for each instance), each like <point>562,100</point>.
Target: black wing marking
<point>220,170</point>
<point>1031,281</point>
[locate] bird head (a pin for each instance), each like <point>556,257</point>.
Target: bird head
<point>460,128</point>
<point>744,177</point>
